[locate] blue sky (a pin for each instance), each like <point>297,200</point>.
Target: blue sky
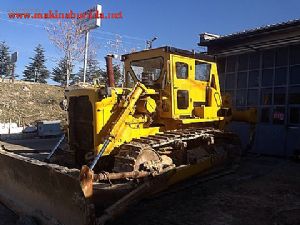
<point>176,23</point>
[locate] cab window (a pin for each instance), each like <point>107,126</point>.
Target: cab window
<point>182,99</point>
<point>202,71</point>
<point>129,81</point>
<point>181,70</point>
<point>147,71</point>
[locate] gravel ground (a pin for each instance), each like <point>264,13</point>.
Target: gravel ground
<point>264,190</point>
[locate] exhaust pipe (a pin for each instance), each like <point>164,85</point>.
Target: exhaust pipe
<point>110,71</point>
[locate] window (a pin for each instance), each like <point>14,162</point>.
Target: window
<point>232,97</point>
<point>295,54</point>
<point>252,97</point>
<point>295,115</point>
<point>129,80</point>
<point>241,97</point>
<point>268,59</point>
<point>243,62</point>
<point>266,96</point>
<point>294,95</point>
<point>280,76</point>
<point>182,70</point>
<point>147,70</point>
<point>222,81</point>
<point>279,96</point>
<point>267,77</point>
<point>230,81</point>
<point>221,65</point>
<point>242,80</point>
<point>265,115</point>
<point>295,75</point>
<point>281,57</point>
<point>278,115</point>
<point>253,78</point>
<point>182,99</point>
<point>254,61</point>
<point>202,71</point>
<point>231,64</point>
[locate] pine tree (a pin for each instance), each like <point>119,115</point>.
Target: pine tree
<point>93,71</point>
<point>59,73</point>
<point>118,75</point>
<point>36,71</point>
<point>5,67</point>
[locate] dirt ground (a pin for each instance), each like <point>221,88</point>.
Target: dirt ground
<point>263,190</point>
<point>26,102</point>
<point>7,217</point>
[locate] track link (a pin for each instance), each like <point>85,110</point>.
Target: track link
<point>175,144</point>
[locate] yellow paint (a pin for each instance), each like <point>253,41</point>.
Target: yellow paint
<point>205,93</point>
<point>146,105</point>
<point>185,172</point>
<point>249,115</point>
<point>125,126</point>
<point>122,114</point>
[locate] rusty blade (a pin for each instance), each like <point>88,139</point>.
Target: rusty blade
<point>86,178</point>
<point>119,176</point>
<point>48,192</point>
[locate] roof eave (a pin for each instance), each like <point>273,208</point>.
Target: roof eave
<point>250,33</point>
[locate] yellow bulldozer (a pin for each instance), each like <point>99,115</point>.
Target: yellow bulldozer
<point>165,124</point>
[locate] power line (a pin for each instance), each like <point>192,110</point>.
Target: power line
<point>114,40</point>
<point>44,27</point>
<point>22,23</point>
<point>122,35</point>
<point>96,31</point>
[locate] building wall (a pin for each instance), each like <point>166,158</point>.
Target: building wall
<point>270,81</point>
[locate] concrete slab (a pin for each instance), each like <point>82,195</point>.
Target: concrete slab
<point>29,145</point>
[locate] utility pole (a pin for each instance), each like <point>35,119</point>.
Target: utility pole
<point>13,73</point>
<point>2,72</point>
<point>13,60</point>
<point>85,54</point>
<point>86,25</point>
<point>35,75</point>
<point>68,68</point>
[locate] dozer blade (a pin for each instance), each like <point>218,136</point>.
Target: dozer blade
<point>50,193</point>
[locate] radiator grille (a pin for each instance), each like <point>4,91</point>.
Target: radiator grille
<point>81,138</point>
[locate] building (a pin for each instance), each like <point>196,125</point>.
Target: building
<point>261,68</point>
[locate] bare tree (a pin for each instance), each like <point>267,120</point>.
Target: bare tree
<point>66,36</point>
<point>116,47</point>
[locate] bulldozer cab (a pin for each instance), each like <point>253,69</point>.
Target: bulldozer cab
<point>190,80</point>
<point>147,67</point>
<point>187,83</point>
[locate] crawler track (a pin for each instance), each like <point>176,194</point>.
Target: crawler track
<point>176,144</point>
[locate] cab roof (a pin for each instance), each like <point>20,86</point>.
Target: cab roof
<point>176,51</point>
